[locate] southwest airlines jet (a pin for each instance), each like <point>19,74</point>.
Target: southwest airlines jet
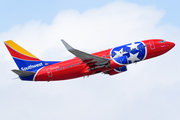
<point>111,61</point>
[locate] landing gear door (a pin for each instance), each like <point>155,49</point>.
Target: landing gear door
<point>152,46</point>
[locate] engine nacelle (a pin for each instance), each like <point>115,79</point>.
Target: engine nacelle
<point>118,62</point>
<point>116,70</point>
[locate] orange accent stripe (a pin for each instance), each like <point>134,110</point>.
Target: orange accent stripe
<point>19,48</point>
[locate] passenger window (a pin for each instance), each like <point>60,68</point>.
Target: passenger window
<point>75,64</point>
<point>70,65</point>
<point>63,67</point>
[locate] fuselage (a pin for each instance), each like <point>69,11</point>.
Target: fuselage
<point>118,58</point>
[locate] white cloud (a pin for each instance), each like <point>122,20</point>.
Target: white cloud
<point>135,94</point>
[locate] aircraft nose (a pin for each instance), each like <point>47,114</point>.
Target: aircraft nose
<point>171,45</point>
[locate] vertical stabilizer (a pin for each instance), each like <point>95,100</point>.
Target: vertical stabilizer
<point>24,60</point>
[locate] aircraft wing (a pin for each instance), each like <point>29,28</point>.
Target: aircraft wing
<point>89,59</point>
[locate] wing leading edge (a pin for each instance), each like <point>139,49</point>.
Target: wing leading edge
<point>90,60</point>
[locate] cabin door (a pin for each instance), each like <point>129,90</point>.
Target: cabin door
<point>49,72</point>
<point>152,46</point>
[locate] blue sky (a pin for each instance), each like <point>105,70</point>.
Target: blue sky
<point>14,12</point>
<point>149,90</point>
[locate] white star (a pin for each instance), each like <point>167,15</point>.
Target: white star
<point>133,57</point>
<point>133,45</point>
<point>119,53</point>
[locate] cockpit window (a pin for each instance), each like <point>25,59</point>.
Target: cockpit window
<point>162,41</point>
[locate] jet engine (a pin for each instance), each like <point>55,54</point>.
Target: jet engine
<point>119,61</point>
<point>116,70</point>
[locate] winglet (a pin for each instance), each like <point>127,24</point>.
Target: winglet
<point>68,47</point>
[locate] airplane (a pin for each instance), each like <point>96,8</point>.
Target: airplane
<point>111,61</point>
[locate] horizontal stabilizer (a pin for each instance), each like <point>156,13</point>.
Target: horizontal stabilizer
<point>23,73</point>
